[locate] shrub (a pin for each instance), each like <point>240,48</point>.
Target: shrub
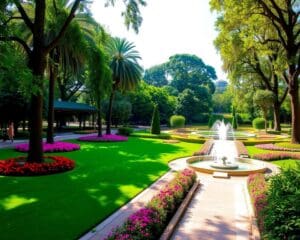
<point>150,221</point>
<point>244,118</point>
<point>149,135</point>
<point>234,122</point>
<point>258,123</point>
<point>282,215</point>
<point>257,188</point>
<point>125,131</point>
<point>177,121</point>
<point>155,123</point>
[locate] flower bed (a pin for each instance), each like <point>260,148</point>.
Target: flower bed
<point>276,156</point>
<point>150,221</point>
<point>51,147</point>
<point>104,138</point>
<point>241,149</point>
<point>205,149</point>
<point>276,147</point>
<point>19,167</point>
<point>257,188</point>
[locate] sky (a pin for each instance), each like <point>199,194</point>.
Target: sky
<point>169,27</point>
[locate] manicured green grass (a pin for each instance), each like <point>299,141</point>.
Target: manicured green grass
<point>66,205</point>
<point>287,163</point>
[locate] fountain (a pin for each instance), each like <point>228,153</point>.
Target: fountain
<point>223,151</point>
<point>223,156</point>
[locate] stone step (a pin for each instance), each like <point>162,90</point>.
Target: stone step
<point>220,175</point>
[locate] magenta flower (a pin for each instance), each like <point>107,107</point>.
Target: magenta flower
<point>104,138</point>
<point>51,147</point>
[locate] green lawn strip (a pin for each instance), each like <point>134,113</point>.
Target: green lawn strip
<point>66,205</point>
<point>284,164</point>
<point>287,163</point>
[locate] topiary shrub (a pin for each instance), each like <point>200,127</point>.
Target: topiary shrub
<point>155,123</point>
<point>234,122</point>
<point>125,131</point>
<point>177,121</point>
<point>258,123</point>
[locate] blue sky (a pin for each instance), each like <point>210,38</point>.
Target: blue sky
<point>169,27</point>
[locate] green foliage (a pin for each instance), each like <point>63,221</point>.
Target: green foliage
<point>214,117</point>
<point>234,123</point>
<point>150,135</point>
<point>191,103</point>
<point>156,76</point>
<point>189,71</point>
<point>222,101</point>
<point>282,214</point>
<point>177,121</point>
<point>143,100</point>
<point>125,131</point>
<point>258,123</point>
<point>155,123</point>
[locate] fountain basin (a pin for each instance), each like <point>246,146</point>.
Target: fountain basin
<point>246,166</point>
<point>228,165</point>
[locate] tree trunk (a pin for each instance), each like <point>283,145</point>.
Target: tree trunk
<point>109,112</point>
<point>277,126</point>
<point>50,128</point>
<point>99,123</point>
<point>295,138</point>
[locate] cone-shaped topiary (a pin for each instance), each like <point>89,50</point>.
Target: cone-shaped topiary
<point>155,123</point>
<point>234,122</point>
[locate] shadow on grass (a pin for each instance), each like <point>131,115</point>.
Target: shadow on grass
<point>65,205</point>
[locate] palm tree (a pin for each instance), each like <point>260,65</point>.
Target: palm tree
<point>126,72</point>
<point>99,80</point>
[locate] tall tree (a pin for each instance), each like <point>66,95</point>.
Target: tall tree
<point>99,80</point>
<point>189,71</point>
<point>156,76</point>
<point>126,72</point>
<point>282,17</point>
<point>38,51</point>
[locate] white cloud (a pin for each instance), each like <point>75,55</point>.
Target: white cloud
<point>169,27</point>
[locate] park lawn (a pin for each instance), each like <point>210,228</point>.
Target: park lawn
<point>66,205</point>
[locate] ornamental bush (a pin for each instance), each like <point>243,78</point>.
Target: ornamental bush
<point>177,121</point>
<point>257,188</point>
<point>282,214</point>
<point>155,123</point>
<point>125,131</point>
<point>258,123</point>
<point>103,138</point>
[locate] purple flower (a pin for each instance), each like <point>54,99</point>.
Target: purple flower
<point>104,138</point>
<point>51,147</point>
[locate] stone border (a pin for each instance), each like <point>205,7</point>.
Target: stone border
<point>169,230</point>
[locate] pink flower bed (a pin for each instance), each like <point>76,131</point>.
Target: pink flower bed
<point>51,147</point>
<point>19,167</point>
<point>150,221</point>
<point>104,138</point>
<point>273,147</point>
<point>276,156</point>
<point>205,149</point>
<point>257,188</point>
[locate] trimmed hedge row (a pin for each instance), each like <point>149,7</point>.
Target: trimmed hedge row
<point>276,156</point>
<point>150,221</point>
<point>257,188</point>
<point>149,135</point>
